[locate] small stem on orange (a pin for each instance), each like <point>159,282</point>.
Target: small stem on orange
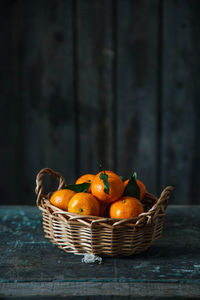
<point>135,175</point>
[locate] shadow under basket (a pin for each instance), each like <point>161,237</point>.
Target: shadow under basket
<point>80,234</point>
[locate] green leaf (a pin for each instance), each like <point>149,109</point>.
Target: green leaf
<point>104,177</point>
<point>132,189</point>
<point>78,188</point>
<point>123,178</point>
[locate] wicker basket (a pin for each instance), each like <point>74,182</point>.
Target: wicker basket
<point>98,235</point>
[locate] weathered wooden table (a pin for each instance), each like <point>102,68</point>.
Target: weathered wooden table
<point>32,266</point>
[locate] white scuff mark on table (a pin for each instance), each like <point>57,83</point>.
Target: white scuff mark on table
<point>141,265</point>
<point>156,269</point>
<point>89,258</point>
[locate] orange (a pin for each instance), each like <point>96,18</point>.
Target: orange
<point>61,198</point>
<point>126,207</point>
<point>86,178</point>
<point>141,186</point>
<point>116,187</point>
<point>84,204</point>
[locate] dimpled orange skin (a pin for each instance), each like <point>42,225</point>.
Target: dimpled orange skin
<point>84,204</point>
<point>141,186</point>
<point>61,198</point>
<point>116,187</point>
<point>125,208</point>
<point>86,178</point>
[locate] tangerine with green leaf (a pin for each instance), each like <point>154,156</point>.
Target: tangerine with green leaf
<point>136,187</point>
<point>107,186</point>
<point>125,208</point>
<point>86,178</point>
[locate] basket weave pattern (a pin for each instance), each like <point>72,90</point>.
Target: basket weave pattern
<point>99,235</point>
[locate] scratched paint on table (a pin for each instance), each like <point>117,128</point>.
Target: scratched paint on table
<point>26,254</point>
<point>20,222</point>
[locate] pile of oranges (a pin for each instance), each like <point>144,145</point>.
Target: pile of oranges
<point>105,194</point>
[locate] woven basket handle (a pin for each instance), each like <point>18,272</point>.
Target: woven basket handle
<point>158,208</point>
<point>163,200</point>
<point>39,186</point>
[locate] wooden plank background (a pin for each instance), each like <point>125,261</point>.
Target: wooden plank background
<point>113,83</point>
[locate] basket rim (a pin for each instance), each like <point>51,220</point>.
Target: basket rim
<point>88,220</point>
<point>157,208</point>
<point>58,210</point>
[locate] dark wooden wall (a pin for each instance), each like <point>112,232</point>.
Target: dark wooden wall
<point>85,83</point>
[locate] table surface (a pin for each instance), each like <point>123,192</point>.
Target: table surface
<point>31,265</point>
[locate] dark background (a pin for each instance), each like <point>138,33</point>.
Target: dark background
<point>85,83</point>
